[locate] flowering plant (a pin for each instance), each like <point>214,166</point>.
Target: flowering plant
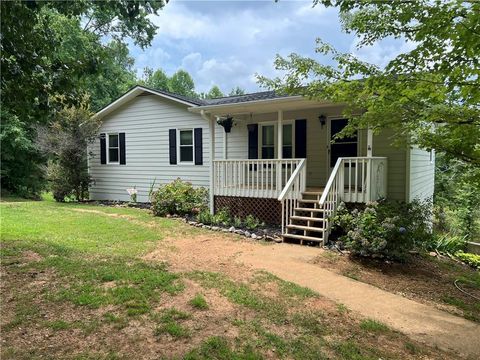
<point>385,229</point>
<point>133,194</point>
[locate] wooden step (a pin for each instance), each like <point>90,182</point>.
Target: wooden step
<point>312,193</point>
<point>309,209</point>
<point>303,227</point>
<point>308,201</point>
<point>306,218</point>
<point>303,237</point>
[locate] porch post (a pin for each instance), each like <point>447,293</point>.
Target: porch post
<point>279,149</point>
<point>212,158</point>
<point>369,142</point>
<point>369,164</point>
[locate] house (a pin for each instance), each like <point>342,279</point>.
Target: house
<point>279,160</point>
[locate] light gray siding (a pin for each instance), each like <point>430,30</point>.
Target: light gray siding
<point>421,177</point>
<point>146,121</point>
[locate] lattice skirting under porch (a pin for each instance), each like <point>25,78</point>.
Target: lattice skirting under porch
<point>267,210</point>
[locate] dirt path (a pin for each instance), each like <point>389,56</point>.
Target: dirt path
<point>419,321</point>
<point>292,262</point>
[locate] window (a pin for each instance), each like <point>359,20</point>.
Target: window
<point>268,142</point>
<point>113,148</point>
<point>287,149</point>
<point>186,145</point>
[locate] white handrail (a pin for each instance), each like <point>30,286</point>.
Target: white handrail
<point>352,180</point>
<point>290,182</point>
<point>330,181</point>
<point>292,192</point>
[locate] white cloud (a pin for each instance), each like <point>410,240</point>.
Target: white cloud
<point>226,43</point>
<point>381,52</point>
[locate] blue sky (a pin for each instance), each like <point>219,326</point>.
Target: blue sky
<point>226,43</point>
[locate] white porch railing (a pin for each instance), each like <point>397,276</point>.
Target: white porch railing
<point>353,179</point>
<point>252,178</point>
<point>292,192</point>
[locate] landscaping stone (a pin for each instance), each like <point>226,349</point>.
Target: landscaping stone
<point>232,229</point>
<point>240,232</point>
<point>193,223</point>
<point>247,233</point>
<point>215,228</point>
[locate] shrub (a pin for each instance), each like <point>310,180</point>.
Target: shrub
<point>468,258</point>
<point>179,198</point>
<point>237,222</point>
<point>222,217</point>
<point>385,229</point>
<point>251,222</point>
<point>205,217</point>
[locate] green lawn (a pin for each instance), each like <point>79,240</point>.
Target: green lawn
<point>75,286</point>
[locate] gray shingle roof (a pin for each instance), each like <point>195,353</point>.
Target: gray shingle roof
<point>263,95</point>
<point>236,99</point>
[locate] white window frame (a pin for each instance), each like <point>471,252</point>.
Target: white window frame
<point>289,122</point>
<point>275,137</point>
<point>108,148</point>
<point>180,162</point>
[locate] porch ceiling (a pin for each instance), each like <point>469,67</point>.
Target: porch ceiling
<point>262,106</point>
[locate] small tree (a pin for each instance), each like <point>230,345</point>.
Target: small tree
<point>65,142</point>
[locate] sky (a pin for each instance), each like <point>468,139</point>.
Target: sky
<point>226,43</point>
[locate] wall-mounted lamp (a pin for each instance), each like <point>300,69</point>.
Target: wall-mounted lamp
<point>323,120</point>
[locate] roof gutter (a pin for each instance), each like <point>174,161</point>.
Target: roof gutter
<point>198,109</point>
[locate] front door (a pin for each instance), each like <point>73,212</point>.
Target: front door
<point>344,147</point>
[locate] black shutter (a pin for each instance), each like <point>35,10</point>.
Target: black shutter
<point>301,139</point>
<point>252,141</point>
<point>121,144</point>
<point>103,148</point>
<point>198,146</point>
<point>172,145</point>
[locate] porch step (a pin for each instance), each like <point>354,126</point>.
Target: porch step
<point>306,218</point>
<point>303,237</point>
<point>313,193</point>
<point>306,228</point>
<point>308,201</point>
<point>309,210</point>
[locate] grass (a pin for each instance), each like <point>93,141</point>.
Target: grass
<point>199,302</point>
<point>373,326</point>
<point>86,280</point>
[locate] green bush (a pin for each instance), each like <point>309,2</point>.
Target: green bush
<point>237,222</point>
<point>179,198</point>
<point>205,217</point>
<point>385,229</point>
<point>468,258</point>
<point>222,217</point>
<point>251,222</point>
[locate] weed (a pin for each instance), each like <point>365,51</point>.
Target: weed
<point>199,302</point>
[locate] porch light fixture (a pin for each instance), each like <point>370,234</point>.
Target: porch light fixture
<point>227,123</point>
<point>323,120</point>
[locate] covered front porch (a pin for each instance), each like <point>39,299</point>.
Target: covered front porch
<point>279,155</point>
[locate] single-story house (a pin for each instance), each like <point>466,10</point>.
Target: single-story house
<point>274,156</point>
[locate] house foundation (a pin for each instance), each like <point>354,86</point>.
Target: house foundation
<point>266,209</point>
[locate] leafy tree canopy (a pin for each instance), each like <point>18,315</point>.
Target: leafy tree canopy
<point>155,79</point>
<point>429,95</point>
<point>51,48</point>
<point>236,91</point>
<point>214,92</point>
<point>182,83</point>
